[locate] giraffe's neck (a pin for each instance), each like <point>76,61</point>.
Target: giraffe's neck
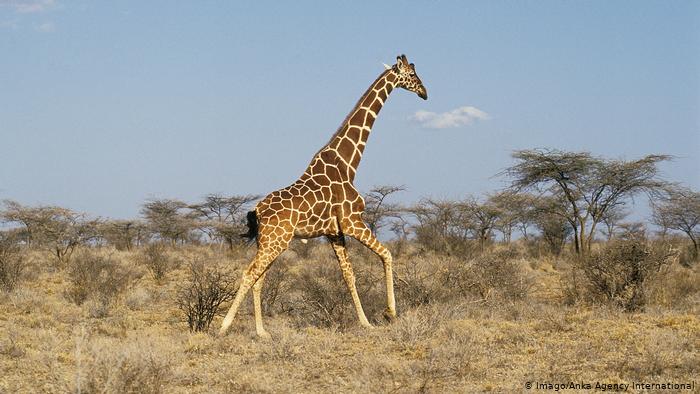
<point>346,146</point>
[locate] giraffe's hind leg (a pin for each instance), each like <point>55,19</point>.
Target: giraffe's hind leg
<point>257,303</point>
<point>341,253</point>
<point>357,229</point>
<point>267,253</point>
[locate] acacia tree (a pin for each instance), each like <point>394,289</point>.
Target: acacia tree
<point>377,210</point>
<point>480,218</point>
<point>59,230</point>
<point>441,225</point>
<point>679,210</point>
<point>123,234</point>
<point>222,217</point>
<point>515,211</point>
<point>612,219</point>
<point>549,215</point>
<point>169,219</point>
<point>27,218</point>
<point>590,185</point>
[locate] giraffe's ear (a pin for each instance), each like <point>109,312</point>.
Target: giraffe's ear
<point>401,61</point>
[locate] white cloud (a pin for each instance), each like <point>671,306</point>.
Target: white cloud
<point>47,27</point>
<point>462,116</point>
<point>28,6</point>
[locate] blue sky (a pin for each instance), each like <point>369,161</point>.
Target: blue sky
<point>106,104</point>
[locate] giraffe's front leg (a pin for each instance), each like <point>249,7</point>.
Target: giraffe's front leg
<point>359,230</point>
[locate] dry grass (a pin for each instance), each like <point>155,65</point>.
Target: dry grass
<point>451,336</point>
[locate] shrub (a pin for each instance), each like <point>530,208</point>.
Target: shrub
<point>12,262</point>
<point>137,367</point>
<point>496,273</point>
<point>676,286</point>
<point>138,298</point>
<point>324,299</point>
<point>200,300</point>
<point>96,277</point>
<point>501,272</point>
<point>619,272</point>
<point>276,288</point>
<point>155,258</point>
<point>419,281</point>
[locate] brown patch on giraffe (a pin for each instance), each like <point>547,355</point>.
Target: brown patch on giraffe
<point>346,148</point>
<point>342,168</point>
<point>328,156</point>
<point>356,160</point>
<point>345,222</point>
<point>311,183</point>
<point>369,120</point>
<point>268,217</point>
<point>338,192</point>
<point>294,216</point>
<point>353,133</point>
<point>296,201</point>
<point>358,206</point>
<point>358,118</point>
<point>365,134</point>
<point>376,106</point>
<point>322,180</point>
<point>304,189</point>
<point>326,193</point>
<point>347,207</point>
<point>391,77</point>
<point>317,168</point>
<point>368,100</point>
<point>288,204</point>
<point>333,174</point>
<point>382,95</point>
<point>318,209</point>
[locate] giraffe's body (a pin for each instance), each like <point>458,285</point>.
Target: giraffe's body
<point>324,202</point>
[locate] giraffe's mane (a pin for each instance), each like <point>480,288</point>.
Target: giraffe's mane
<point>353,110</point>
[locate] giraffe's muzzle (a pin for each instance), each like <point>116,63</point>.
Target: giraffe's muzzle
<point>422,93</point>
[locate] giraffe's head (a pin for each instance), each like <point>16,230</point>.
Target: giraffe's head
<point>407,77</point>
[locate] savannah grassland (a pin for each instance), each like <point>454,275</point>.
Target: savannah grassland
<point>484,322</point>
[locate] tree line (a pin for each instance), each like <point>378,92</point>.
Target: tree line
<point>556,198</point>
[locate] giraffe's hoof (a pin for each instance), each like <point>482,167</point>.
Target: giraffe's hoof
<point>390,315</point>
<point>262,334</point>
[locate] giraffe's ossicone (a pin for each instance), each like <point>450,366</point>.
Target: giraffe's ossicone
<point>324,202</point>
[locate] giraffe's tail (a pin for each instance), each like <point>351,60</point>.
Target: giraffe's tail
<point>252,233</point>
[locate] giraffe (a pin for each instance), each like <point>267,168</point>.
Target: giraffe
<point>324,202</point>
